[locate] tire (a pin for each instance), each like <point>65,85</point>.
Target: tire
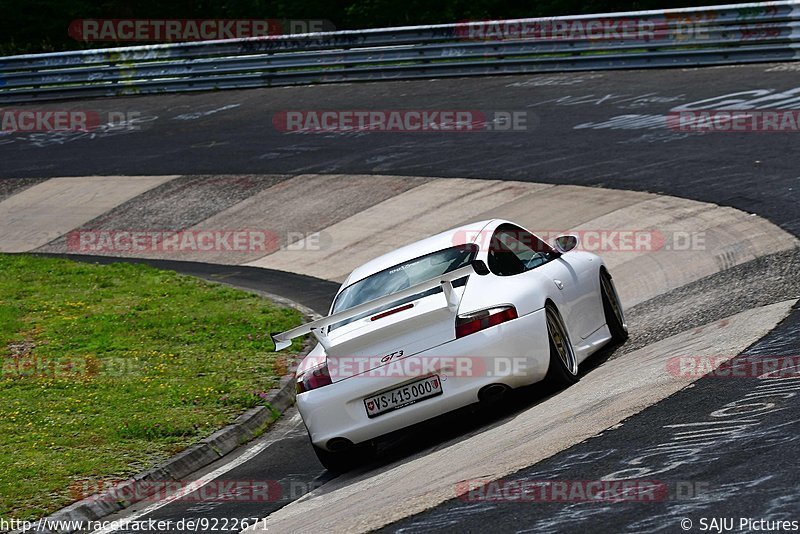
<point>563,369</point>
<point>612,307</point>
<point>343,461</point>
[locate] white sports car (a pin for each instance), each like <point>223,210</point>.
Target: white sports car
<point>459,317</point>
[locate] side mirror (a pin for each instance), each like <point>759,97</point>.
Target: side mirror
<point>565,243</point>
<point>480,267</point>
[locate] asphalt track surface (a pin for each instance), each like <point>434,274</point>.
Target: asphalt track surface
<point>205,133</point>
<point>573,136</point>
<point>740,468</point>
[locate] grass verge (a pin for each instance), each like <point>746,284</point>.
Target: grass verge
<point>108,369</point>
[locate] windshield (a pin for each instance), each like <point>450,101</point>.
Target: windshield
<point>405,275</point>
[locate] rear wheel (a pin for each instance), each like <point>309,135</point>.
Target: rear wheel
<point>342,461</point>
<point>563,369</point>
<point>612,307</point>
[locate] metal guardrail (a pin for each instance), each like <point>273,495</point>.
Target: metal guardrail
<point>739,33</point>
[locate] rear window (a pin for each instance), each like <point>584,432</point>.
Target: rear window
<point>404,275</point>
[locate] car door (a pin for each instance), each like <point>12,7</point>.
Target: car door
<point>575,276</point>
<point>515,251</point>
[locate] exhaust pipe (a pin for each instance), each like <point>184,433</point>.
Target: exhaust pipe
<point>492,393</point>
<point>339,444</point>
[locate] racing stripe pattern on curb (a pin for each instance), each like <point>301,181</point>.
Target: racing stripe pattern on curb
<point>174,205</point>
<point>347,220</point>
<point>431,208</point>
<point>715,238</point>
<point>50,209</point>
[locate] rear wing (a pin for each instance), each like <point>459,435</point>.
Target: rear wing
<point>318,327</point>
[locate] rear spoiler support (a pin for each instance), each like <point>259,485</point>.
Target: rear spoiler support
<point>318,333</point>
<point>319,327</point>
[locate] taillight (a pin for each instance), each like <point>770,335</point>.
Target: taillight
<point>469,323</point>
<point>313,378</point>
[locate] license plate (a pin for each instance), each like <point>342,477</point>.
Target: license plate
<point>397,398</point>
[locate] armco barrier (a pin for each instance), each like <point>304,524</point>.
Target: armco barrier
<point>739,33</point>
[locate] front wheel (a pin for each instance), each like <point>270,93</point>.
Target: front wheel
<point>563,369</point>
<point>612,307</point>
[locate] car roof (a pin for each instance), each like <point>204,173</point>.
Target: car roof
<point>469,233</point>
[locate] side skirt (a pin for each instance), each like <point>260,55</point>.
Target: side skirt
<point>593,343</point>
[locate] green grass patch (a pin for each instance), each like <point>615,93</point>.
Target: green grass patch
<point>108,369</point>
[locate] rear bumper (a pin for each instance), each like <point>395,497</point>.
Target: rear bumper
<point>515,353</point>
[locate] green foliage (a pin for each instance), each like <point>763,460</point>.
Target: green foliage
<point>107,369</point>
